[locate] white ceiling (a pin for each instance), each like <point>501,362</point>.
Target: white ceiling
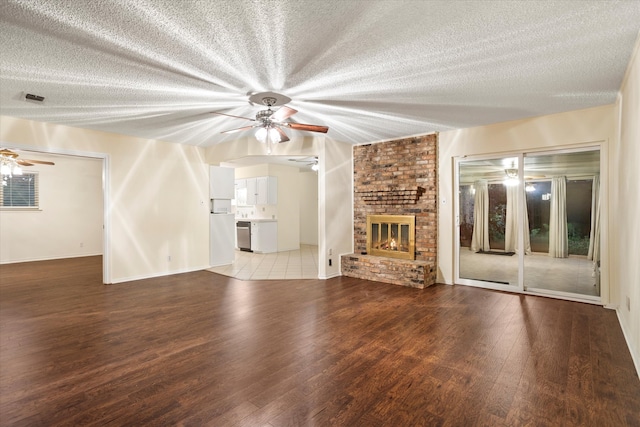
<point>370,70</point>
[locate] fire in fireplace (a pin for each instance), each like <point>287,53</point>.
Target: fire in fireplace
<point>392,236</point>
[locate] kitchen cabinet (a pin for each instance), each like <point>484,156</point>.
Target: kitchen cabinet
<point>241,192</point>
<point>262,190</point>
<point>267,190</point>
<point>252,190</point>
<point>221,183</point>
<point>264,236</point>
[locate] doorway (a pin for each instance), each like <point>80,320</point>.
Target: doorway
<point>73,220</point>
<point>529,222</point>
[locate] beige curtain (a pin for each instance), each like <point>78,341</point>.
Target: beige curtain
<point>558,236</point>
<point>511,223</point>
<point>594,235</point>
<point>480,236</point>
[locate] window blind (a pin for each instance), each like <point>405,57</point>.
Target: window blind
<point>20,191</point>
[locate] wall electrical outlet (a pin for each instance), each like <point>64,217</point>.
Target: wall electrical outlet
<point>329,262</point>
<point>628,304</point>
<point>168,258</point>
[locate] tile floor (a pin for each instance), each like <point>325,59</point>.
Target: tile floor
<point>298,264</point>
<point>573,274</point>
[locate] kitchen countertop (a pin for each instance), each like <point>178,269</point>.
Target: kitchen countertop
<point>257,219</point>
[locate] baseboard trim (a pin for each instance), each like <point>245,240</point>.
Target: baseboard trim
<point>151,276</point>
<point>331,276</point>
<point>49,258</point>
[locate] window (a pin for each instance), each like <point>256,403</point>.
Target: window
<point>19,191</point>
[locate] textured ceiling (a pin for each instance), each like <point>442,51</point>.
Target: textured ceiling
<point>370,70</point>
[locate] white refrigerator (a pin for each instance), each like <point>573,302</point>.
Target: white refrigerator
<point>222,239</point>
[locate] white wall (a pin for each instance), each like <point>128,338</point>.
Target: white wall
<point>308,208</point>
<point>157,196</point>
<point>335,199</point>
<point>564,130</point>
<point>69,221</point>
<point>288,206</point>
<point>625,208</point>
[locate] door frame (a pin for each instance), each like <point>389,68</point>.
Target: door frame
<point>106,223</point>
<point>601,146</point>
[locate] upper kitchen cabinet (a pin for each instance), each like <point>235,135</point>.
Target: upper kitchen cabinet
<point>221,182</point>
<point>252,192</point>
<point>241,192</point>
<point>262,190</point>
<point>267,191</point>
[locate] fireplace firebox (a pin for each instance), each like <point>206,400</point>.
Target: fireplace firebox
<point>392,236</point>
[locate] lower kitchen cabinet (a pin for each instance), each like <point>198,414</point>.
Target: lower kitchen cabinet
<point>264,236</point>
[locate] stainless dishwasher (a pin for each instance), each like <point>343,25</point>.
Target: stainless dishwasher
<point>243,233</point>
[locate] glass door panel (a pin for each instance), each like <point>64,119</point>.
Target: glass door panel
<point>483,217</point>
<point>562,200</point>
<point>538,200</point>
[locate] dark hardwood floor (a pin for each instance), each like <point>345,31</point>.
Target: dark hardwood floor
<point>203,349</point>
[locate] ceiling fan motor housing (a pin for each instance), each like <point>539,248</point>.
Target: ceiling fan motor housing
<point>264,116</point>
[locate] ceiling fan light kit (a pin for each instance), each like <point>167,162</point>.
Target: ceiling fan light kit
<point>10,165</point>
<point>270,122</point>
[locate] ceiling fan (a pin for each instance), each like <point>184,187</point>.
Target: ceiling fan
<point>270,122</point>
<point>10,164</point>
<point>308,161</point>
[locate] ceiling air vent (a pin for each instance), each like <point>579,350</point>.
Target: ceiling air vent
<point>32,97</point>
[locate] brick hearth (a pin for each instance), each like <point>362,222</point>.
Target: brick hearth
<point>415,274</point>
<point>396,178</point>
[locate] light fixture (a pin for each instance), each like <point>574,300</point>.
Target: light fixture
<point>274,136</point>
<point>511,173</point>
<point>261,135</point>
<point>268,135</point>
<point>512,176</point>
<point>9,165</point>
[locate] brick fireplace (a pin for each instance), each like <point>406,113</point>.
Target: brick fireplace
<point>396,178</point>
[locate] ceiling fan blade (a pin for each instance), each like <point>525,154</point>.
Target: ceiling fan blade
<point>312,128</point>
<point>283,113</point>
<point>24,162</point>
<point>238,129</point>
<point>231,115</point>
<point>283,136</point>
<point>40,162</point>
<point>7,153</point>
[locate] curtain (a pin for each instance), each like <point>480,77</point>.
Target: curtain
<point>594,235</point>
<point>511,223</point>
<point>558,237</point>
<point>480,236</point>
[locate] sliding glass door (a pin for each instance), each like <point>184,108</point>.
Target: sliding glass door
<point>487,222</point>
<point>530,222</point>
<point>562,192</point>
